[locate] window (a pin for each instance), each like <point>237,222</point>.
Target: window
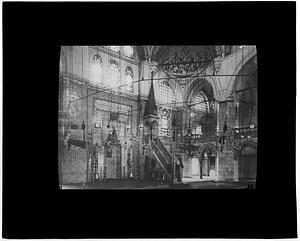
<point>164,94</point>
<point>197,130</point>
<point>96,69</point>
<point>128,51</point>
<point>128,79</point>
<point>212,162</point>
<point>200,102</point>
<point>75,104</point>
<point>114,73</point>
<point>72,104</point>
<point>114,48</point>
<point>164,126</point>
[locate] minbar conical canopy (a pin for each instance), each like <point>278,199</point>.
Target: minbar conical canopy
<point>150,108</point>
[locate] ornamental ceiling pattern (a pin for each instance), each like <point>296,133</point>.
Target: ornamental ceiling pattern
<point>185,61</point>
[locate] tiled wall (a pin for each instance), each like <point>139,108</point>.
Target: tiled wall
<point>226,155</point>
<point>74,165</point>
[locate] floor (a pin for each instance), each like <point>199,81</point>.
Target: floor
<point>131,184</point>
<point>197,179</point>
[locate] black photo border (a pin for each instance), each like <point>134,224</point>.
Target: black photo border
<point>34,207</point>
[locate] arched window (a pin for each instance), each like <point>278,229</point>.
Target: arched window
<point>164,121</point>
<point>129,79</point>
<point>114,48</point>
<point>128,51</point>
<point>114,73</point>
<point>200,102</point>
<point>96,69</point>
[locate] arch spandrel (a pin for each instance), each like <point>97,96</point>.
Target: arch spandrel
<point>230,67</point>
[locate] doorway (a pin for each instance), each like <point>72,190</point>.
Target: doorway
<point>247,163</point>
<point>208,161</point>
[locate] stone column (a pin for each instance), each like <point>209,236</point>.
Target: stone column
<point>226,153</point>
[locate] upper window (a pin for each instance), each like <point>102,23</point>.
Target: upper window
<point>200,102</point>
<point>96,69</point>
<point>97,59</point>
<point>114,73</point>
<point>114,48</point>
<point>72,103</point>
<point>128,79</point>
<point>164,93</point>
<point>128,51</point>
<point>164,126</point>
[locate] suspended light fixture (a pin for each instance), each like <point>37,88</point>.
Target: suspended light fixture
<point>236,124</point>
<point>188,147</point>
<point>251,125</point>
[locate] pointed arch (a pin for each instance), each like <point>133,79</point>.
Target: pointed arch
<point>200,84</point>
<point>243,61</point>
<point>208,146</point>
<point>63,67</point>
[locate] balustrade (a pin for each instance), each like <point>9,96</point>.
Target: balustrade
<point>166,166</point>
<point>167,155</point>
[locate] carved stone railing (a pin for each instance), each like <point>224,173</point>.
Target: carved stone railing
<point>165,165</point>
<point>167,155</point>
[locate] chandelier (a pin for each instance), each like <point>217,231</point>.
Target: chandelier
<point>188,147</point>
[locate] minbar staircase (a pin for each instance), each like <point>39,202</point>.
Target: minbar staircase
<point>163,157</point>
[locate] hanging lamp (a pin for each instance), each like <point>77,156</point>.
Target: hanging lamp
<point>251,125</point>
